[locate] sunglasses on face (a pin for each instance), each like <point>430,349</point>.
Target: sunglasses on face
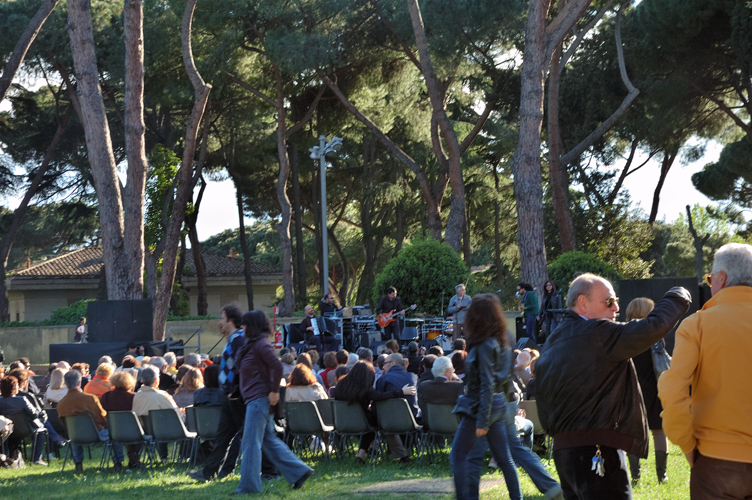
<point>611,301</point>
<point>709,279</point>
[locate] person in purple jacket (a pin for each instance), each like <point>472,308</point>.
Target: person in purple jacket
<point>260,376</point>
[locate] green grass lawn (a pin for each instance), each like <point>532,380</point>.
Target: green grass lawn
<point>336,480</point>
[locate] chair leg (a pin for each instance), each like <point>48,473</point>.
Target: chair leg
<point>67,449</point>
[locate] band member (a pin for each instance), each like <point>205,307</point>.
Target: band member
<point>388,304</point>
<point>327,305</point>
<point>310,327</point>
<point>457,307</point>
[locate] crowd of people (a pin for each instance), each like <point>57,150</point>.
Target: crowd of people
<point>598,385</point>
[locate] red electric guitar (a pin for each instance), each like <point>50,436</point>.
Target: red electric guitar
<point>386,318</point>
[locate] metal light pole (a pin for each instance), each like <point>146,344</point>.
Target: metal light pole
<point>319,152</point>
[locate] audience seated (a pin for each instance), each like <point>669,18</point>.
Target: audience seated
<point>458,361</point>
<point>305,359</point>
<point>120,398</point>
<point>57,389</point>
<point>425,368</point>
<point>303,386</point>
<point>396,377</point>
<point>101,381</point>
<point>191,381</point>
<point>330,364</point>
<point>211,394</point>
<point>413,358</point>
<point>11,404</point>
<point>444,389</point>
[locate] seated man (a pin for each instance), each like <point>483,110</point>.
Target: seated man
<point>310,329</point>
<point>444,389</point>
<point>396,377</point>
<point>76,402</point>
<point>149,397</point>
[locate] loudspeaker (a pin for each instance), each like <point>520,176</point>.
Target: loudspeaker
<point>120,320</point>
<point>519,327</point>
<point>427,343</point>
<point>525,343</point>
<point>378,347</point>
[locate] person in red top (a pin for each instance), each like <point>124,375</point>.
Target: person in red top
<point>330,362</point>
<point>100,384</point>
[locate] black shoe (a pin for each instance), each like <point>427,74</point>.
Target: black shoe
<point>117,468</point>
<point>405,460</point>
<point>300,482</point>
<point>360,461</point>
<point>198,475</point>
<point>79,467</point>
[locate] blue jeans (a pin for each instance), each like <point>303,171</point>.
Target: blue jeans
<point>525,458</point>
<point>467,453</point>
<point>78,451</point>
<point>258,434</point>
<point>530,327</point>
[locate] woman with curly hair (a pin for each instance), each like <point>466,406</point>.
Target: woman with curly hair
<point>483,407</point>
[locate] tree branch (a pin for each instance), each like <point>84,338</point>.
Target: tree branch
<point>253,90</point>
<point>308,114</point>
<point>468,140</point>
<point>567,17</point>
<point>581,34</point>
<point>738,121</point>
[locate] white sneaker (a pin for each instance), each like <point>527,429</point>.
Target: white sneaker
<point>51,457</point>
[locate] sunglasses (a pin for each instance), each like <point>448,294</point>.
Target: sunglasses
<point>611,301</point>
<point>709,279</point>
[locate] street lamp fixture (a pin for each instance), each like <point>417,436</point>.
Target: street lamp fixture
<point>319,153</point>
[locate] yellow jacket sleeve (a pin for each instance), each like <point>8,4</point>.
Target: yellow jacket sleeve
<point>674,386</point>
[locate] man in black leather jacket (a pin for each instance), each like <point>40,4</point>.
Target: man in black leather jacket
<point>588,395</point>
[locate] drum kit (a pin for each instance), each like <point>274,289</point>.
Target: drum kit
<point>437,329</point>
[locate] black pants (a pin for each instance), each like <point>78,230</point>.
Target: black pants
<point>579,482</point>
<point>392,330</point>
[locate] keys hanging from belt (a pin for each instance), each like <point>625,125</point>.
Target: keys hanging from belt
<point>598,462</point>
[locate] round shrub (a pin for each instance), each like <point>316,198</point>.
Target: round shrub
<point>420,272</point>
<point>562,270</point>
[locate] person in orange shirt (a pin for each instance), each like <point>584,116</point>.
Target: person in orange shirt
<point>101,381</point>
<point>706,394</point>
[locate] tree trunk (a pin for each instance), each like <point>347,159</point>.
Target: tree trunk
<point>668,161</point>
<point>526,159</point>
<point>467,249</point>
<point>298,214</point>
<point>399,233</point>
<point>283,227</point>
<point>558,171</point>
<point>368,276</point>
<point>345,270</point>
<point>175,294</point>
<point>202,302</point>
<point>99,149</point>
<point>456,218</point>
<point>19,51</point>
<point>18,213</point>
<point>172,232</point>
<point>244,246</point>
<point>497,229</point>
<point>135,148</point>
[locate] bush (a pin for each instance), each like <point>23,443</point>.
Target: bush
<point>70,315</point>
<point>562,270</point>
<point>420,272</point>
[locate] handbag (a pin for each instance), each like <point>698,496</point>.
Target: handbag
<point>661,359</point>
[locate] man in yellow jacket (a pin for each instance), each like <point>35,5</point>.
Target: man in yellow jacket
<point>707,392</point>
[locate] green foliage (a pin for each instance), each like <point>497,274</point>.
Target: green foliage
<point>730,178</point>
<point>69,315</point>
<point>263,243</point>
<point>163,167</point>
<point>562,270</point>
<point>421,272</point>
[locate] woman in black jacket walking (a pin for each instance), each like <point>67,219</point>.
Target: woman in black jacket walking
<point>551,300</point>
<point>482,408</point>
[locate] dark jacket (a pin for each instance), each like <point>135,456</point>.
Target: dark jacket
<point>117,400</point>
<point>413,363</point>
<point>438,391</point>
<point>365,402</point>
<point>209,396</point>
<point>260,370</point>
<point>587,390</point>
<point>19,404</point>
<point>488,368</point>
<point>394,380</point>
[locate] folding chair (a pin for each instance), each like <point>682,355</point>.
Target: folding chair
<point>349,421</point>
<point>125,429</point>
<point>395,419</point>
<point>83,431</point>
<point>168,427</point>
<point>206,419</point>
<point>441,423</point>
<point>22,430</point>
<point>190,419</point>
<point>305,425</point>
<point>326,411</point>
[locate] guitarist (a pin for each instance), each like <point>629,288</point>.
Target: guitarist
<point>457,308</point>
<point>390,303</point>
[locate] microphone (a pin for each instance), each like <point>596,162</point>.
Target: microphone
<point>498,291</point>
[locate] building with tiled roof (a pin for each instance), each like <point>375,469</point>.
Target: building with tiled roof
<point>40,288</point>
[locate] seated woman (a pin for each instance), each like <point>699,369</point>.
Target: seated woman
<point>11,404</point>
<point>211,394</point>
<point>190,383</point>
<point>288,363</point>
<point>22,376</point>
<point>357,388</point>
<point>101,381</point>
<point>57,389</point>
<point>306,358</point>
<point>120,398</point>
<point>303,385</point>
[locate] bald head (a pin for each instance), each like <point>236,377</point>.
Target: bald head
<point>593,297</point>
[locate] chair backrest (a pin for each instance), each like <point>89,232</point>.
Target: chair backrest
<point>21,427</point>
<point>146,424</point>
<point>531,413</point>
<point>395,416</point>
<point>124,427</point>
<point>55,421</point>
<point>190,419</point>
<point>440,419</point>
<point>349,418</point>
<point>409,333</point>
<point>303,417</point>
<point>207,421</point>
<point>167,425</point>
<point>82,430</point>
<point>326,411</point>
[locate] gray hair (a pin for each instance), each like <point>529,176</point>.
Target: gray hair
<point>459,287</point>
<point>441,365</point>
<point>365,354</point>
<point>106,359</point>
<point>170,358</point>
<point>148,375</point>
<point>397,359</point>
<point>582,285</point>
<point>192,359</point>
<point>735,259</point>
<point>159,363</point>
<point>72,379</point>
